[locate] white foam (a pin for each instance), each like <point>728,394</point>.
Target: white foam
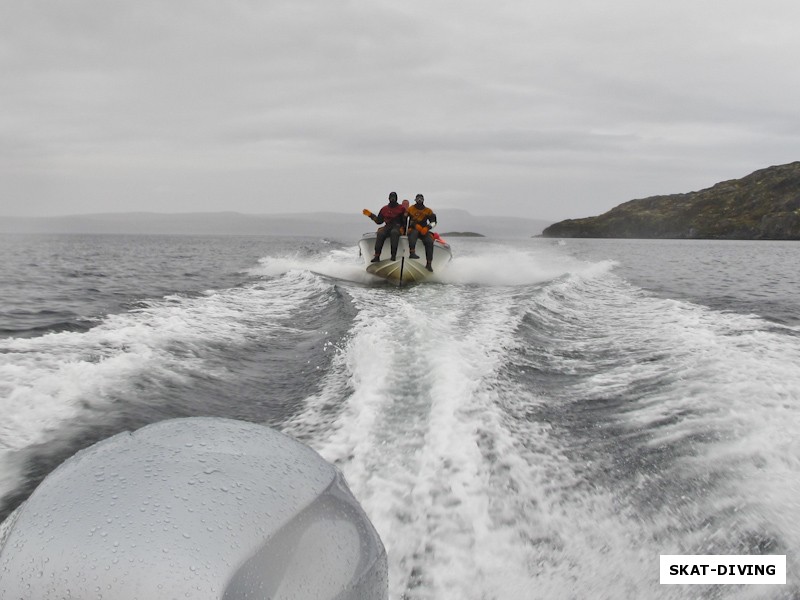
<point>502,265</point>
<point>53,378</point>
<point>724,385</point>
<point>473,499</point>
<point>425,441</point>
<point>338,264</point>
<point>472,496</point>
<point>484,263</point>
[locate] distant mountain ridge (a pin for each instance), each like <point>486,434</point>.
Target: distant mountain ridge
<point>764,205</point>
<point>340,226</point>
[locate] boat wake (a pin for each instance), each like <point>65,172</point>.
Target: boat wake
<point>529,425</point>
<point>551,432</point>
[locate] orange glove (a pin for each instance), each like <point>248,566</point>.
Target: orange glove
<point>421,229</point>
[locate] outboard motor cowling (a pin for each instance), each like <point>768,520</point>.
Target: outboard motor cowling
<point>200,508</point>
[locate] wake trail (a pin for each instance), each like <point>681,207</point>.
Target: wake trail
<point>483,483</point>
<point>50,385</point>
<point>425,443</point>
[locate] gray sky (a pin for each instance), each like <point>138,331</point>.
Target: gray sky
<point>547,109</point>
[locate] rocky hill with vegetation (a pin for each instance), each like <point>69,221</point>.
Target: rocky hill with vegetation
<point>765,205</point>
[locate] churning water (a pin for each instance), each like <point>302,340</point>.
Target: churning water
<point>542,421</point>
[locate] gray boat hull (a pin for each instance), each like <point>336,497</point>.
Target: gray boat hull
<point>404,269</point>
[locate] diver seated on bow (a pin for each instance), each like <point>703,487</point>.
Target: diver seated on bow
<point>393,216</point>
<point>420,221</point>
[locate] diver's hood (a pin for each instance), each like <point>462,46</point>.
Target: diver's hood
<point>198,508</point>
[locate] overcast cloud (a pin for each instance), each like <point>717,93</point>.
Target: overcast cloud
<point>545,109</point>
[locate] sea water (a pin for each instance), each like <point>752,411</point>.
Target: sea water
<point>542,420</point>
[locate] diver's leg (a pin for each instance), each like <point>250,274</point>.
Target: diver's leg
<point>413,234</point>
<point>428,241</point>
<point>394,236</point>
<point>379,239</point>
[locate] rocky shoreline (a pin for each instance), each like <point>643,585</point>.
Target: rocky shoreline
<point>764,205</point>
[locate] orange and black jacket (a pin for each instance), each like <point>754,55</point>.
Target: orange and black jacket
<point>420,216</point>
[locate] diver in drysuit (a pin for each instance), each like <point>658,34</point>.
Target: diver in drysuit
<point>393,215</point>
<point>420,221</point>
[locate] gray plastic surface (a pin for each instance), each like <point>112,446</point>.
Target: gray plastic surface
<point>197,508</point>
